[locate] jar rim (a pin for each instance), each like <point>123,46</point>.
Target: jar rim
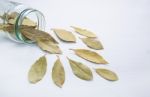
<point>19,20</point>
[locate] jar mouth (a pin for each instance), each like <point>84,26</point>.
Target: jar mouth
<point>40,23</point>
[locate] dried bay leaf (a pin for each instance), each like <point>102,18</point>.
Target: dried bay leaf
<point>12,21</point>
<point>106,74</point>
<point>43,39</point>
<point>11,18</point>
<point>5,27</point>
<point>26,22</point>
<point>48,46</point>
<point>12,15</point>
<point>29,32</point>
<point>90,56</point>
<point>28,35</point>
<point>34,34</point>
<point>58,73</point>
<point>84,32</point>
<point>92,43</point>
<point>81,70</point>
<point>10,28</point>
<point>29,22</point>
<point>42,34</point>
<point>37,70</point>
<point>65,35</point>
<point>7,16</point>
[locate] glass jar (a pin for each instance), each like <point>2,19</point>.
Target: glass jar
<point>19,13</point>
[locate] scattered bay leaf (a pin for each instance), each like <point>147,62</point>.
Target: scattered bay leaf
<point>90,56</point>
<point>58,73</point>
<point>92,43</point>
<point>107,74</point>
<point>65,35</point>
<point>48,46</point>
<point>81,70</point>
<point>84,32</point>
<point>38,70</point>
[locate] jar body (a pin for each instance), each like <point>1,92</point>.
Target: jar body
<point>17,14</point>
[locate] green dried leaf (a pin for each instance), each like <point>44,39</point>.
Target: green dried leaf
<point>65,35</point>
<point>92,43</point>
<point>90,56</point>
<point>84,32</point>
<point>38,70</point>
<point>58,73</point>
<point>81,70</point>
<point>106,74</point>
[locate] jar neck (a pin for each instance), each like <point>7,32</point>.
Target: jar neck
<point>40,23</point>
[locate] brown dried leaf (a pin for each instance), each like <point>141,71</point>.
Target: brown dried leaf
<point>13,15</point>
<point>106,74</point>
<point>58,73</point>
<point>84,32</point>
<point>90,56</point>
<point>6,27</point>
<point>26,22</point>
<point>10,28</point>
<point>92,43</point>
<point>48,46</point>
<point>38,70</point>
<point>7,16</point>
<point>28,35</point>
<point>65,35</point>
<point>35,34</point>
<point>81,70</point>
